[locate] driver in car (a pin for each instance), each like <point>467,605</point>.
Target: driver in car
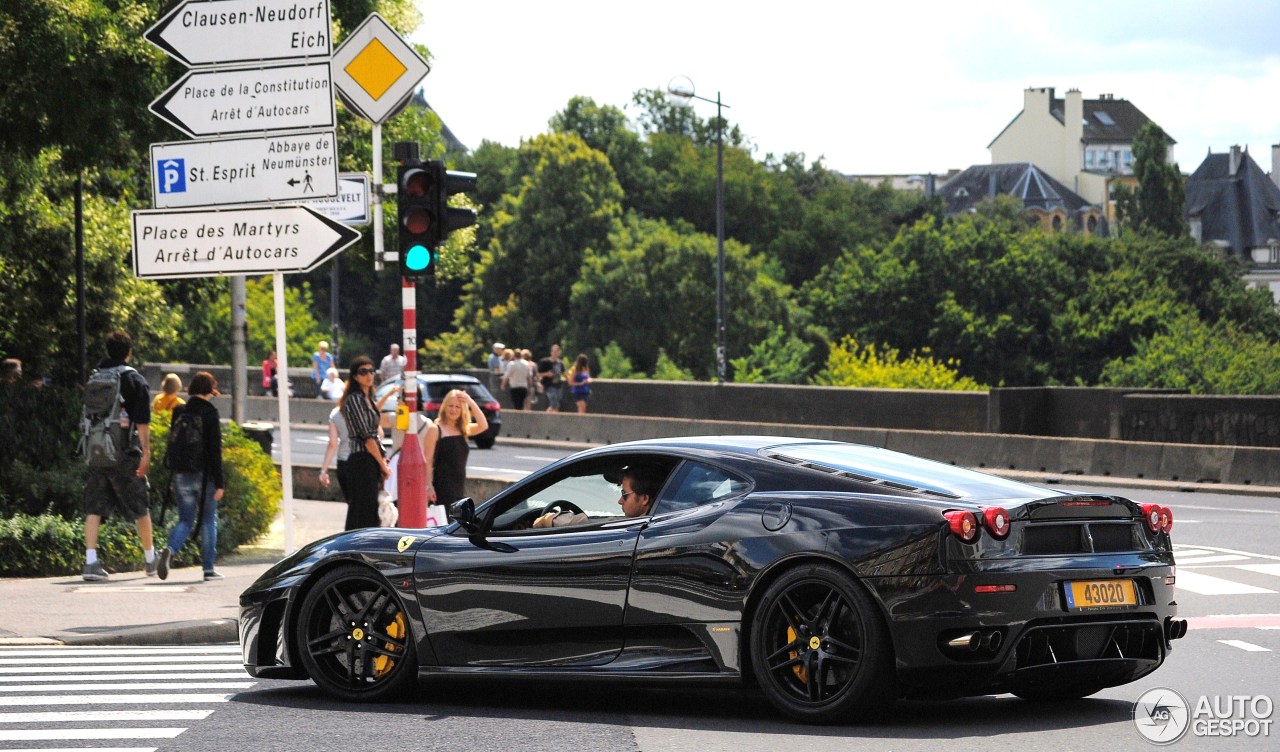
<point>640,486</point>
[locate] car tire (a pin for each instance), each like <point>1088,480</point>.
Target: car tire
<point>820,651</point>
<point>485,441</point>
<point>354,638</point>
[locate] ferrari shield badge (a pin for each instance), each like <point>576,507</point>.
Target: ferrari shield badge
<point>405,542</point>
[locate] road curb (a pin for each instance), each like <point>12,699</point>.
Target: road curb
<point>195,632</point>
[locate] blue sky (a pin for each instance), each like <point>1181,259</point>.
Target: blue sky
<point>903,87</point>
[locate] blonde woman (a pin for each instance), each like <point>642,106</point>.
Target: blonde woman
<point>168,397</point>
<point>445,447</point>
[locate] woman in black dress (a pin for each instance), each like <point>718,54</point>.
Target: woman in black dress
<point>366,467</point>
<point>445,448</point>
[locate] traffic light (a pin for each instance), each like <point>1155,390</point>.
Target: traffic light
<point>448,183</point>
<point>418,209</point>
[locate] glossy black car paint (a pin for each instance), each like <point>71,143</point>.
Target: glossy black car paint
<point>671,595</point>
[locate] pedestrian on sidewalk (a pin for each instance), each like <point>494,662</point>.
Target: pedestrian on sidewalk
<point>366,467</point>
<point>338,451</point>
<point>270,380</point>
<point>392,365</point>
<point>122,486</point>
<point>445,447</point>
<point>516,379</point>
<point>551,374</point>
<point>321,362</point>
<point>194,457</point>
<point>168,397</point>
<point>580,382</point>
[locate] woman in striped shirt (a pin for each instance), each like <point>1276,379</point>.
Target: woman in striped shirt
<point>366,467</point>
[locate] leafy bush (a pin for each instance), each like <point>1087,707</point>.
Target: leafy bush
<point>35,452</point>
<point>1192,355</point>
<point>852,365</point>
<point>780,358</point>
<point>613,363</point>
<point>667,369</point>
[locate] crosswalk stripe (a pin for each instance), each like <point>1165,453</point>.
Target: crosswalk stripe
<point>125,685</point>
<point>85,716</point>
<point>1204,584</point>
<point>1246,646</point>
<point>120,677</point>
<point>111,699</point>
<point>29,652</point>
<point>38,735</point>
<point>1272,569</point>
<point>96,659</point>
<point>134,667</point>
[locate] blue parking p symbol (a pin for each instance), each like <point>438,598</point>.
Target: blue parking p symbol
<point>173,175</point>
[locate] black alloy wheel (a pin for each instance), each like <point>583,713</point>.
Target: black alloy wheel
<point>819,648</point>
<point>354,637</point>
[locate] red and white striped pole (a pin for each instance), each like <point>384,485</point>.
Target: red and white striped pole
<point>411,470</point>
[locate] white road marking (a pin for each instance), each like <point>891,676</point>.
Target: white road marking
<point>1204,584</point>
<point>135,699</point>
<point>1248,646</point>
<point>1272,569</point>
<point>118,677</point>
<point>127,685</point>
<point>1197,561</point>
<point>134,667</point>
<point>94,659</point>
<point>35,735</point>
<point>157,589</point>
<point>1222,509</point>
<point>37,652</point>
<point>83,716</point>
<point>1177,551</point>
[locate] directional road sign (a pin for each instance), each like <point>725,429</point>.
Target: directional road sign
<point>288,168</point>
<point>375,70</point>
<point>351,205</point>
<point>221,32</point>
<point>259,240</point>
<point>215,101</point>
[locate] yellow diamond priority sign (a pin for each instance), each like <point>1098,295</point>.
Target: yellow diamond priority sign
<point>375,70</point>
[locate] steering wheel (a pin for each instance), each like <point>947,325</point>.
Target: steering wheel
<point>563,505</point>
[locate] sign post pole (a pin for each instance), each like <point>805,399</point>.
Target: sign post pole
<point>411,472</point>
<point>282,400</point>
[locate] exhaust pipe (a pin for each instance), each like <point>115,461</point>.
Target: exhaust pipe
<point>1175,628</point>
<point>992,640</point>
<point>970,642</point>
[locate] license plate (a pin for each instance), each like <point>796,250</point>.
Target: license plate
<point>1093,594</point>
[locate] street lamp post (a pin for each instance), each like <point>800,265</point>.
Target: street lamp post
<point>681,88</point>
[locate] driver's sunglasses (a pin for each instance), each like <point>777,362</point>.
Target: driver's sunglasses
<point>628,493</point>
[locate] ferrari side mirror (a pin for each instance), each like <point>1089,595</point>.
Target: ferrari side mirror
<point>464,513</point>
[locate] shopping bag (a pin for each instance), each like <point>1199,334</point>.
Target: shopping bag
<point>436,515</point>
<point>388,515</point>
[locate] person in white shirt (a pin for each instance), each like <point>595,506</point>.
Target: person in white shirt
<point>516,379</point>
<point>332,386</point>
<point>392,366</point>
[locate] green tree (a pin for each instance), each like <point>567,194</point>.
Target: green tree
<point>606,129</point>
<point>1202,358</point>
<point>204,336</point>
<point>667,370</point>
<point>612,363</point>
<point>568,203</point>
<point>1157,204</point>
<point>654,289</point>
<point>779,358</point>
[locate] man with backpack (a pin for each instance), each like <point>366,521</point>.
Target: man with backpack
<point>117,449</point>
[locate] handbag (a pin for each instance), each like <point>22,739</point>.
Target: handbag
<point>436,515</point>
<point>388,515</point>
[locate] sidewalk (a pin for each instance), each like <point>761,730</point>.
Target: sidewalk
<point>133,609</point>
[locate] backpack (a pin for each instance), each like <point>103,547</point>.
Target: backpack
<point>186,444</point>
<point>104,441</point>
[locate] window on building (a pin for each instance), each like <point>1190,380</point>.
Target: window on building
<point>1057,223</point>
<point>1126,158</point>
<point>1092,224</point>
<point>1089,157</point>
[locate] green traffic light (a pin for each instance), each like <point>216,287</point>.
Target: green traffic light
<point>417,258</point>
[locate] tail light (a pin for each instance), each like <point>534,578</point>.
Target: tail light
<point>1166,520</point>
<point>996,520</point>
<point>1151,515</point>
<point>432,406</point>
<point>963,524</point>
<point>492,406</point>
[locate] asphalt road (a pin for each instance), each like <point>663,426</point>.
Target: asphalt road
<point>1229,588</point>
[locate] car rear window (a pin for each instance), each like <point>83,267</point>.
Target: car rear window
<point>436,391</point>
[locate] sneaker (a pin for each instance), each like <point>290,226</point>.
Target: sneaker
<point>150,566</point>
<point>212,575</point>
<point>94,572</point>
<point>162,563</point>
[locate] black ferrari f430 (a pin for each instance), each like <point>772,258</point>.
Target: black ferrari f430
<point>834,577</point>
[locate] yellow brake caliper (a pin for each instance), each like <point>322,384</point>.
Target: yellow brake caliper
<point>384,663</point>
<point>797,669</point>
